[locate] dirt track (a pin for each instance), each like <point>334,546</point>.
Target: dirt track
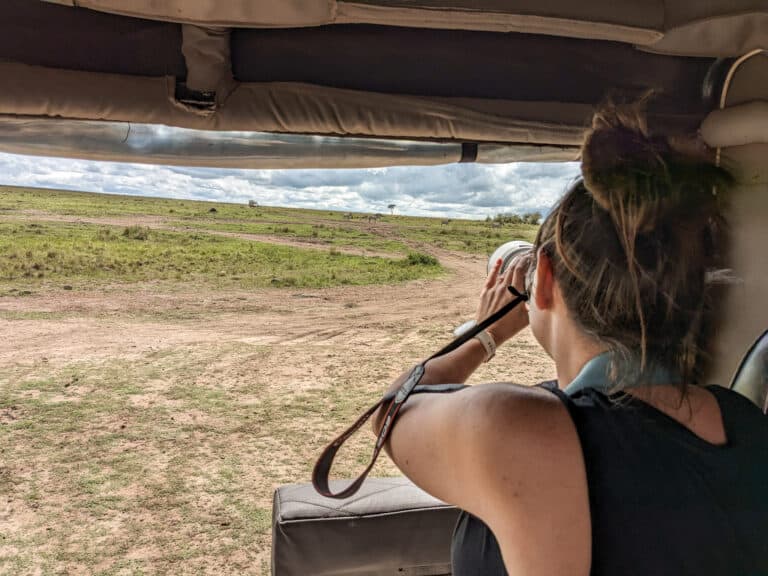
<point>106,324</point>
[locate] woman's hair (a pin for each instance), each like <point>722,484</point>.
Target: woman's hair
<point>632,241</point>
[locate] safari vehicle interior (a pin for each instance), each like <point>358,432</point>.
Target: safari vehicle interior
<point>368,83</point>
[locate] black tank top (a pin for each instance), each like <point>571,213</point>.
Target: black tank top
<point>662,500</point>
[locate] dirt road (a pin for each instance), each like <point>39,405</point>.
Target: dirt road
<point>110,323</point>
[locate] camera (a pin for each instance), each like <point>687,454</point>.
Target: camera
<point>506,252</point>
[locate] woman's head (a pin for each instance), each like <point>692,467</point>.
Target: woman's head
<point>631,242</point>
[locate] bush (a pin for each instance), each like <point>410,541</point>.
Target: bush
<point>136,232</point>
<point>419,259</point>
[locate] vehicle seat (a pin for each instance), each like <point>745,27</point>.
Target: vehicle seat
<point>390,527</point>
<point>751,379</point>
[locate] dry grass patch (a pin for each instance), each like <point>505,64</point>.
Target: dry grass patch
<point>166,463</point>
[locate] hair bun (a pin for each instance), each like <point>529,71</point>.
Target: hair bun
<point>619,157</point>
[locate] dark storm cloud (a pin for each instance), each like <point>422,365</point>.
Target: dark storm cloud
<point>456,190</point>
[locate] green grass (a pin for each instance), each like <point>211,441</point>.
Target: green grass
<point>63,254</point>
<point>389,234</point>
<point>329,234</point>
<point>95,205</point>
<point>471,236</point>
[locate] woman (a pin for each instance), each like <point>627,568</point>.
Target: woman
<point>623,465</point>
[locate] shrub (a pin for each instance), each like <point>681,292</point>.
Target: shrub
<point>419,259</point>
<point>136,232</point>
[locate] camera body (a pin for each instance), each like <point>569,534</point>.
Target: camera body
<point>506,252</point>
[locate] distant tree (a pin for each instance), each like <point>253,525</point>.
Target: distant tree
<point>508,218</point>
<point>532,218</point>
<point>392,208</point>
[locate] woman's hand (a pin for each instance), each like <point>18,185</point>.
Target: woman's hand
<point>495,294</point>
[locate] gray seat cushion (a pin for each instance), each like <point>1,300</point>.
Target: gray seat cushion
<point>390,527</point>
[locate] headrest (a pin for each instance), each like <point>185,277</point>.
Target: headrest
<point>751,379</point>
<point>737,126</point>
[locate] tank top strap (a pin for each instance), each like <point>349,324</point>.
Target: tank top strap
<point>738,414</point>
<point>551,386</point>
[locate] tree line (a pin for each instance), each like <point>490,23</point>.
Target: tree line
<point>533,218</point>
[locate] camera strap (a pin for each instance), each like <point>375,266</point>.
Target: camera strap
<point>394,401</point>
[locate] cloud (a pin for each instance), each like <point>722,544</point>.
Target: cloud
<point>454,190</point>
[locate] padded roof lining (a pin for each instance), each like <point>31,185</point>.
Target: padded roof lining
<point>218,12</point>
<point>641,13</point>
<point>48,35</point>
<point>680,12</point>
<point>646,23</point>
<point>423,62</point>
<point>448,73</point>
<point>460,63</point>
<point>288,108</point>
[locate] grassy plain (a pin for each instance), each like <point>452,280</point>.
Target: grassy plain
<point>165,367</point>
<point>68,238</point>
<point>388,233</point>
<point>39,254</point>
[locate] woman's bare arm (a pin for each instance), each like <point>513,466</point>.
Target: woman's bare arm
<point>441,441</point>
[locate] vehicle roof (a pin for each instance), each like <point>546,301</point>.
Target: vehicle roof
<point>472,72</point>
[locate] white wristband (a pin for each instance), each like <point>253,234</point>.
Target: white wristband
<point>488,343</point>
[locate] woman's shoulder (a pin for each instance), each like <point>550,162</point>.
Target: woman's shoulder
<point>511,418</point>
<point>525,411</point>
<point>537,484</point>
<point>527,429</point>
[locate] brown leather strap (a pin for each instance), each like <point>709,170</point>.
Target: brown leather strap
<point>394,401</point>
<point>322,469</point>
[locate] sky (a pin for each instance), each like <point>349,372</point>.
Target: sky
<point>449,191</point>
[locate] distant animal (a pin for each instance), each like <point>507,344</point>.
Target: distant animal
<point>213,210</point>
<point>445,222</point>
<point>495,224</point>
<point>348,216</point>
<point>253,204</point>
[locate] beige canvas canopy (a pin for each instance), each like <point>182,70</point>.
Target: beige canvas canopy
<point>521,76</point>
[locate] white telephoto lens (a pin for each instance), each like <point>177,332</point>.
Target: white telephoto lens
<point>507,253</point>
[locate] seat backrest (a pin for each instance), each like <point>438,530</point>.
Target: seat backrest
<point>389,528</point>
<point>751,379</point>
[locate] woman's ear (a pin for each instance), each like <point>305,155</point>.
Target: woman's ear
<point>544,282</point>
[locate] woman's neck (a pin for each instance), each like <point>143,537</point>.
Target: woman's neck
<point>571,350</point>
